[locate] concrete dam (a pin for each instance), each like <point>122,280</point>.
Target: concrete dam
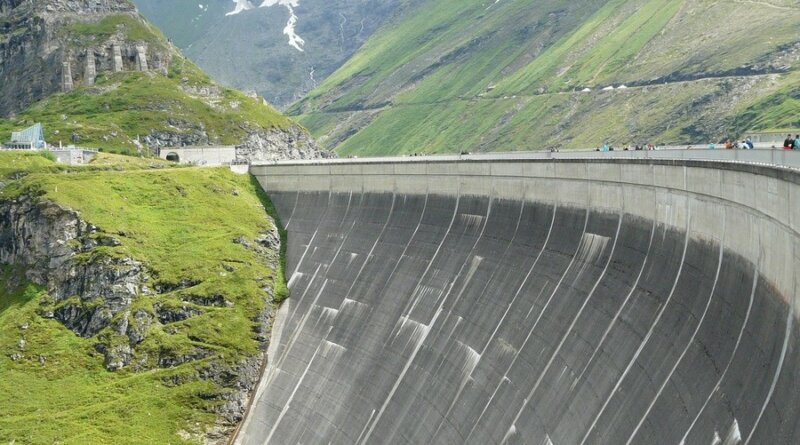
<point>544,302</point>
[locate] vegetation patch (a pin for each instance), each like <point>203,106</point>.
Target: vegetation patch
<point>88,33</point>
<point>509,76</point>
<point>122,108</point>
<point>183,225</point>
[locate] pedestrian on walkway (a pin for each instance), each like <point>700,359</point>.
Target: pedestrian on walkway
<point>788,144</point>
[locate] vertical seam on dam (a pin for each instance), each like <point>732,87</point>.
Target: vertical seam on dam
<point>688,345</point>
<point>730,361</point>
<point>410,360</point>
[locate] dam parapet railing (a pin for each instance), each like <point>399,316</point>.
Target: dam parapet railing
<point>769,157</point>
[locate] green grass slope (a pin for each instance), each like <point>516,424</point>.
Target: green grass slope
<point>116,113</point>
<point>122,107</point>
<point>181,223</point>
<point>473,75</point>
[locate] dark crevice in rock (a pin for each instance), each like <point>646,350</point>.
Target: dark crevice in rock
<point>216,300</point>
<point>168,315</point>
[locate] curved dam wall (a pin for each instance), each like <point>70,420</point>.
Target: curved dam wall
<point>539,302</point>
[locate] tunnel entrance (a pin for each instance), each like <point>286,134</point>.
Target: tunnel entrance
<point>173,157</point>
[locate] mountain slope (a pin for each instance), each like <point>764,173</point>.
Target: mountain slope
<point>251,49</point>
<point>98,75</point>
<point>508,75</point>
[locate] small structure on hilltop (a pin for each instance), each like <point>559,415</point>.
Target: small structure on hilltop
<point>31,138</point>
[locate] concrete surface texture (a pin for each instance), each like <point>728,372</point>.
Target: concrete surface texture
<point>538,302</point>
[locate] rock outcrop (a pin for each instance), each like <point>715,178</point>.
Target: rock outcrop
<point>99,50</point>
<point>87,283</point>
<point>277,144</point>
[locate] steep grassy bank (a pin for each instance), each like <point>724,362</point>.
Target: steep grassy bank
<point>193,229</point>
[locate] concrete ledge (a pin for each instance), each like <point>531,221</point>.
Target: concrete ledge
<point>211,155</point>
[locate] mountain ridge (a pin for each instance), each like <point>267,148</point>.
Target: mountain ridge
<point>250,50</point>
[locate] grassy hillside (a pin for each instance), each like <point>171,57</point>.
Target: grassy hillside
<point>16,165</point>
<point>121,110</point>
<point>123,106</point>
<point>181,223</point>
<point>473,75</point>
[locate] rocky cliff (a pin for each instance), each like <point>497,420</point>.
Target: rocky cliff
<point>40,55</point>
<point>87,283</point>
<point>274,145</point>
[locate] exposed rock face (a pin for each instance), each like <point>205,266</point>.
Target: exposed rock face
<point>60,251</point>
<point>80,6</point>
<point>275,144</point>
<point>189,135</point>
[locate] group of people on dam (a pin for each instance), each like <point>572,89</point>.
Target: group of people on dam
<point>746,144</point>
<point>792,143</point>
<point>637,147</point>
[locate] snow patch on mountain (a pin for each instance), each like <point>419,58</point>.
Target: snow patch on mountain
<point>295,40</point>
<point>241,5</point>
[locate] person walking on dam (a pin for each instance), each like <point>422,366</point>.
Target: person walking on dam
<point>796,142</point>
<point>788,144</point>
